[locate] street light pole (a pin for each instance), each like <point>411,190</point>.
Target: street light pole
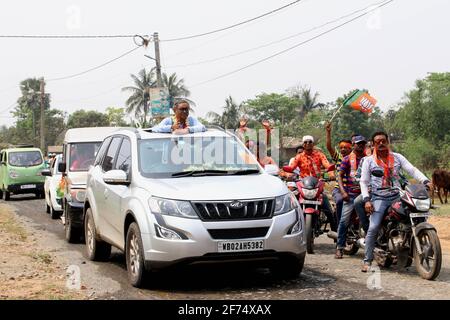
<point>158,60</point>
<point>42,83</point>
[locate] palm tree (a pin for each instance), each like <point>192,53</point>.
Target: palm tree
<point>137,102</point>
<point>177,89</point>
<point>229,119</point>
<point>308,100</point>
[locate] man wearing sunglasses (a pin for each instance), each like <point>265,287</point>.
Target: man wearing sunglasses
<point>381,195</point>
<point>181,122</point>
<point>310,162</point>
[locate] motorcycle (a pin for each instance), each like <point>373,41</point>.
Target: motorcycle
<point>354,233</point>
<point>405,235</point>
<point>310,196</point>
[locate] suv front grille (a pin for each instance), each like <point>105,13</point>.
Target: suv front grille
<point>251,209</point>
<point>244,233</point>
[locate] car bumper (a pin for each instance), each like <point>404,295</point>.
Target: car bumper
<point>19,188</point>
<point>202,245</point>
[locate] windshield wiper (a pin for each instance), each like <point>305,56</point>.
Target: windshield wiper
<point>243,172</point>
<point>197,173</point>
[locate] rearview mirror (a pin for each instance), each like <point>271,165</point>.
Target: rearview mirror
<point>62,167</point>
<point>271,169</point>
<point>377,173</point>
<point>46,173</point>
<point>116,177</point>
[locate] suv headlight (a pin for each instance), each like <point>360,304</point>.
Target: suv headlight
<point>77,194</point>
<point>172,207</point>
<point>285,203</point>
<point>422,205</point>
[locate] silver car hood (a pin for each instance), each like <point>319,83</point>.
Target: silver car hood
<point>216,187</point>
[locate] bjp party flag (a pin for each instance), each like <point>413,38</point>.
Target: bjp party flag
<point>361,100</point>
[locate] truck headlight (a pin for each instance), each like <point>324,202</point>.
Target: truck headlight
<point>13,174</point>
<point>172,207</point>
<point>285,203</point>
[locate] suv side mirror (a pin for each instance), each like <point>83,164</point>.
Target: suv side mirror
<point>46,173</point>
<point>62,167</point>
<point>116,177</point>
<point>271,169</point>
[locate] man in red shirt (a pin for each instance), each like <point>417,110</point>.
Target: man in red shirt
<point>310,162</point>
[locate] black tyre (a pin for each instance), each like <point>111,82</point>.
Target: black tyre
<point>96,249</point>
<point>54,214</point>
<point>7,195</point>
<point>309,233</point>
<point>289,269</point>
<point>429,263</point>
<point>1,194</point>
<point>47,208</point>
<point>134,253</point>
<point>72,234</point>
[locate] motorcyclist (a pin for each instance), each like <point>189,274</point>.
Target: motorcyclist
<point>381,195</point>
<point>310,162</point>
<point>349,189</point>
<point>345,147</point>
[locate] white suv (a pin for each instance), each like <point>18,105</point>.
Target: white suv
<point>169,199</point>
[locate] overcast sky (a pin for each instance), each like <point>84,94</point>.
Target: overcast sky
<point>385,51</point>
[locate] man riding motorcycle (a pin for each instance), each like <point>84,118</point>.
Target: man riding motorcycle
<point>381,195</point>
<point>349,189</point>
<point>310,162</point>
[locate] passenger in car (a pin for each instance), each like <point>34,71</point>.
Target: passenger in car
<point>181,122</point>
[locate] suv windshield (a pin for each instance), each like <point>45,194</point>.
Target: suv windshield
<point>184,156</point>
<point>25,158</point>
<point>82,155</point>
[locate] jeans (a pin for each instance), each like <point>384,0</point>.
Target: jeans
<point>347,210</point>
<point>337,196</point>
<point>359,208</point>
<point>326,208</point>
<point>380,205</point>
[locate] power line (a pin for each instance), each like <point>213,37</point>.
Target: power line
<point>66,36</point>
<point>6,109</point>
<point>293,47</point>
<point>234,25</point>
<point>273,42</point>
<point>94,68</point>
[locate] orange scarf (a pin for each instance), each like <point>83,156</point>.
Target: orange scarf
<point>388,167</point>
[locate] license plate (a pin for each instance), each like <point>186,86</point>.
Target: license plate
<point>28,186</point>
<point>310,202</point>
<point>240,246</point>
<point>419,214</point>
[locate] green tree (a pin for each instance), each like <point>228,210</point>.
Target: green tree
<point>83,118</point>
<point>306,98</point>
<point>116,117</point>
<point>177,89</point>
<point>229,119</point>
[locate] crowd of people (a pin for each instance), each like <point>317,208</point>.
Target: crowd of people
<point>354,160</point>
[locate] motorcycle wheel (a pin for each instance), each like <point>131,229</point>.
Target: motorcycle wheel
<point>309,233</point>
<point>429,263</point>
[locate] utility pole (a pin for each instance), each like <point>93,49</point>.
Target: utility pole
<point>158,61</point>
<point>42,115</point>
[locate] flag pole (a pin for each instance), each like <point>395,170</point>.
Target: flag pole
<point>336,112</point>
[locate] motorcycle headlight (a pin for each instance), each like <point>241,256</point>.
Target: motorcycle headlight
<point>285,203</point>
<point>172,207</point>
<point>13,174</point>
<point>422,204</point>
<point>310,193</point>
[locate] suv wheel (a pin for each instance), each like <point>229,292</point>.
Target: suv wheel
<point>97,250</point>
<point>134,252</point>
<point>289,268</point>
<point>7,195</point>
<point>73,234</point>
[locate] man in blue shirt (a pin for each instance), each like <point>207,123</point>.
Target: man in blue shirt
<point>181,122</point>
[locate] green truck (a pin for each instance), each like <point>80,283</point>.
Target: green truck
<point>20,171</point>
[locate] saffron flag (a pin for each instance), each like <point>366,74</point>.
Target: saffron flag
<point>361,100</point>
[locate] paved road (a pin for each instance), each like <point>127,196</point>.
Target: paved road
<point>323,277</point>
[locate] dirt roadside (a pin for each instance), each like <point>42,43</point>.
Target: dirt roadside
<point>27,269</point>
